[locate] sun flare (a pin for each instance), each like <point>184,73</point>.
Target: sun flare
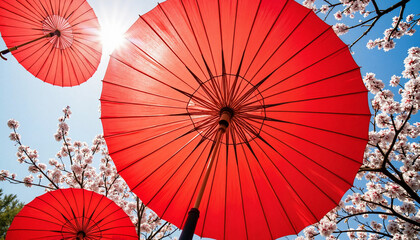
<point>112,36</point>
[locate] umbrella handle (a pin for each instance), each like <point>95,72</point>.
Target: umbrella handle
<point>5,52</point>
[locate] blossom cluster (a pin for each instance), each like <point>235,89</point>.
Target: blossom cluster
<point>365,14</point>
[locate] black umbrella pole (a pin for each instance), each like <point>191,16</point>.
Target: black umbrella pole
<point>189,227</point>
<point>192,219</point>
<point>56,32</point>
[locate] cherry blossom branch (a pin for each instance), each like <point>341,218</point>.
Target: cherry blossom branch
<point>15,181</point>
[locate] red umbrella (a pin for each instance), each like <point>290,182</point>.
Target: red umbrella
<point>71,214</point>
<point>55,40</point>
<point>252,112</point>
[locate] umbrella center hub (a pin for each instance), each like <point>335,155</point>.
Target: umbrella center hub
<point>80,228</point>
<point>81,235</point>
<point>227,96</point>
<point>63,32</point>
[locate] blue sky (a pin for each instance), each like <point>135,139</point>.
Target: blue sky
<point>37,105</point>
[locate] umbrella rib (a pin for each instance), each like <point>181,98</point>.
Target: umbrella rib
<point>297,169</point>
<point>233,37</point>
<point>72,211</point>
<point>210,193</point>
<point>167,45</point>
<point>197,42</point>
<point>201,175</point>
<point>342,155</point>
<point>143,92</point>
<point>105,220</point>
<point>226,184</point>
<point>207,37</point>
<point>311,65</point>
<point>234,92</point>
<point>315,98</point>
<point>21,15</point>
<point>250,91</point>
<point>301,86</point>
<point>269,182</point>
<point>165,162</point>
<point>284,177</point>
<point>37,218</point>
<point>224,81</point>
<point>294,149</point>
<point>31,21</point>
<point>253,181</point>
<point>185,178</point>
<point>145,128</point>
<point>83,59</point>
<point>72,68</point>
<point>251,116</point>
<point>284,41</point>
<point>65,217</point>
<point>77,206</point>
<point>141,104</point>
<point>38,49</point>
<point>155,150</point>
<point>182,40</point>
<point>75,63</point>
<point>75,9</point>
<point>234,144</point>
<point>266,37</point>
<point>211,75</point>
<point>313,112</point>
<point>161,82</point>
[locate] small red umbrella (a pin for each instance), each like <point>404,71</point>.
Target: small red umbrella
<point>55,40</point>
<point>251,112</point>
<point>71,214</point>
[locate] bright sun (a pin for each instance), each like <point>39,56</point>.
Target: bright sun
<point>112,36</point>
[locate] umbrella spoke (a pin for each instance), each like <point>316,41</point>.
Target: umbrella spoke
<point>300,172</point>
<point>142,104</point>
<point>315,98</point>
<point>181,38</point>
<point>310,159</point>
<point>159,81</point>
<point>281,44</point>
<point>255,187</point>
<point>308,67</point>
<point>284,178</point>
<point>250,116</point>
<point>166,44</point>
<point>167,160</point>
<point>143,92</point>
<point>266,37</point>
<point>235,146</point>
<point>234,94</point>
<point>157,126</point>
<point>250,91</point>
<point>154,138</point>
<point>188,174</point>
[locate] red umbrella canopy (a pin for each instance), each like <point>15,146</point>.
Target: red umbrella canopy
<point>71,214</point>
<point>298,112</point>
<point>67,58</point>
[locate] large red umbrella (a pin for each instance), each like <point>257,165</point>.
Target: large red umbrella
<point>55,40</point>
<point>252,112</point>
<point>71,214</point>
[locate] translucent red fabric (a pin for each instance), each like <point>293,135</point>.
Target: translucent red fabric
<point>69,213</point>
<point>65,60</point>
<point>300,115</point>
